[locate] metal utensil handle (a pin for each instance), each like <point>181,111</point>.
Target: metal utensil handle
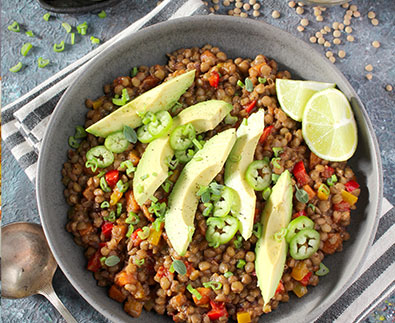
<point>50,294</point>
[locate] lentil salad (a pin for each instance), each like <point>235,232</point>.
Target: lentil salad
<point>139,266</point>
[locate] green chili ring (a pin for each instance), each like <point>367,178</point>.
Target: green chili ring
<point>103,156</point>
<point>228,226</point>
<point>298,224</point>
<point>116,142</point>
<point>304,244</point>
<point>162,124</point>
<point>143,135</point>
<point>258,175</point>
<point>181,137</point>
<point>229,202</point>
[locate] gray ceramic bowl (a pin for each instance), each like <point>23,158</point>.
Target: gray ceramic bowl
<point>237,37</point>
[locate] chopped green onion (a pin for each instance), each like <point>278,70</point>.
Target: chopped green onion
<point>166,186</point>
<point>81,28</point>
<point>95,40</point>
<point>301,195</point>
<point>129,166</point>
<point>59,47</point>
<point>277,150</point>
<point>26,48</point>
<point>14,27</point>
<point>130,230</point>
<point>153,199</point>
<point>66,26</point>
<point>311,206</point>
<point>139,262</point>
<point>194,292</point>
<point>143,234</point>
<point>119,209</point>
<point>92,164</point>
<point>122,187</point>
<point>324,189</point>
<point>158,223</point>
<point>262,80</point>
<point>72,38</point>
<point>266,193</point>
<point>133,218</point>
<point>257,231</point>
<point>179,267</point>
<point>42,62</point>
<point>324,270</point>
<point>171,269</point>
<point>29,33</point>
<point>332,180</point>
<point>245,122</point>
<point>16,68</point>
<point>46,16</point>
<point>213,284</point>
<point>238,242</point>
<point>249,85</point>
<point>112,261</point>
<point>241,263</point>
<point>101,174</point>
<point>209,207</point>
<point>105,204</point>
<point>123,100</point>
<point>172,163</point>
<point>275,162</point>
<point>280,235</point>
<point>134,71</point>
<point>197,144</point>
<point>228,274</point>
<point>73,143</point>
<point>104,186</point>
<point>111,217</point>
<point>275,178</point>
<point>240,83</point>
<point>102,14</point>
<point>103,259</point>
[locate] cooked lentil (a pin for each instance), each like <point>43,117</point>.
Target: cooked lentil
<point>143,277</point>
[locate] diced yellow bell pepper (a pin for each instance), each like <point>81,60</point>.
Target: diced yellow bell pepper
<point>299,271</point>
<point>300,290</point>
<point>349,198</point>
<point>323,192</point>
<point>97,104</point>
<point>115,196</point>
<point>243,317</point>
<point>154,236</point>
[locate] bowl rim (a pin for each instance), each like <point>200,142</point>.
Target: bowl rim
<point>377,198</point>
<point>82,9</point>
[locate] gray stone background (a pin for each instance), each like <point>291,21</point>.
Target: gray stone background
<point>19,194</point>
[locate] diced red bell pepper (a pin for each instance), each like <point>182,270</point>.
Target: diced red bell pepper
<point>189,267</point>
<point>251,106</point>
<point>162,271</point>
<point>351,185</point>
<point>214,79</point>
<point>300,213</point>
<point>135,237</point>
<point>106,229</point>
<point>218,310</point>
<point>280,288</point>
<point>300,173</point>
<point>112,177</point>
<point>265,134</point>
<point>328,172</point>
<point>94,263</point>
<point>343,206</point>
<point>305,280</point>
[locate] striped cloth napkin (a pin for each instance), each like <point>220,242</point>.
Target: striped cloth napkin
<point>24,122</point>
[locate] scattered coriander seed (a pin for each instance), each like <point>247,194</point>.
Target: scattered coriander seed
<point>327,44</point>
<point>341,54</point>
<point>304,22</point>
<point>216,7</point>
<point>230,12</point>
<point>376,44</point>
<point>256,13</point>
<point>350,38</point>
<point>349,13</point>
<point>328,54</point>
<point>321,40</point>
<point>335,25</point>
<point>256,6</point>
<point>353,7</point>
<point>226,3</point>
<point>318,34</point>
<point>374,22</point>
<point>327,29</point>
<point>322,8</point>
<point>337,41</point>
<point>345,5</point>
<point>371,15</point>
<point>323,31</point>
<point>243,15</point>
<point>252,2</point>
<point>369,76</point>
<point>300,28</point>
<point>319,18</point>
<point>313,39</point>
<point>369,68</point>
<point>238,4</point>
<point>317,13</point>
<point>275,14</point>
<point>215,1</point>
<point>212,10</point>
<point>348,30</point>
<point>337,33</point>
<point>357,14</point>
<point>246,6</point>
<point>236,11</point>
<point>332,59</point>
<point>292,4</point>
<point>299,10</point>
<point>341,26</point>
<point>300,4</point>
<point>346,22</point>
<point>388,87</point>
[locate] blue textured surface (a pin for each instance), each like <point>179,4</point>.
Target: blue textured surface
<point>18,193</point>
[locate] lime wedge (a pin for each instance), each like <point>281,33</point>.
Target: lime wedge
<point>329,127</point>
<point>293,95</point>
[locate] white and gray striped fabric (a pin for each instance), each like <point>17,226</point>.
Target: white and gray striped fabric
<point>24,122</point>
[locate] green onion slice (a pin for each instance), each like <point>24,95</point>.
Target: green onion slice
<point>275,162</point>
<point>194,292</point>
<point>59,47</point>
<point>103,185</point>
<point>331,180</point>
<point>133,218</point>
<point>73,143</point>
<point>80,132</point>
<point>228,274</point>
<point>101,174</point>
<point>16,68</point>
<point>81,28</point>
<point>257,230</point>
<point>42,62</point>
<point>262,80</point>
<point>66,26</point>
<point>280,235</point>
<point>238,242</point>
<point>72,38</point>
<point>102,14</point>
<point>14,27</point>
<point>139,262</point>
<point>277,150</point>
<point>130,230</point>
<point>95,40</point>
<point>266,193</point>
<point>91,163</point>
<point>312,206</point>
<point>240,83</point>
<point>29,33</point>
<point>324,270</point>
<point>46,16</point>
<point>105,204</point>
<point>26,48</point>
<point>134,71</point>
<point>119,209</point>
<point>122,187</point>
<point>143,234</point>
<point>213,284</point>
<point>111,217</point>
<point>241,263</point>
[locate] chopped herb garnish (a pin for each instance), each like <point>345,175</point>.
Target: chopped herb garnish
<point>331,180</point>
<point>59,47</point>
<point>324,270</point>
<point>238,242</point>
<point>111,217</point>
<point>280,235</point>
<point>213,284</point>
<point>112,261</point>
<point>102,14</point>
<point>228,274</point>
<point>130,134</point>
<point>157,224</point>
<point>102,260</point>
<point>194,292</point>
<point>155,174</point>
<point>66,26</point>
<point>130,230</point>
<point>245,122</point>
<point>179,267</point>
<point>129,166</point>
<point>47,16</point>
<point>301,195</point>
<point>140,188</point>
<point>134,71</point>
<point>249,85</point>
<point>198,158</point>
<point>143,234</point>
<point>209,207</point>
<point>29,33</point>
<point>122,187</point>
<point>197,144</point>
<point>103,185</point>
<point>275,162</point>
<point>262,80</point>
<point>95,40</point>
<point>153,199</point>
<point>241,263</point>
<point>105,204</point>
<point>144,177</point>
<point>80,132</point>
<point>16,68</point>
<point>119,209</point>
<point>42,62</point>
<point>166,186</point>
<point>172,163</point>
<point>14,27</point>
<point>26,48</point>
<point>101,174</point>
<point>275,178</point>
<point>240,83</point>
<point>91,163</point>
<point>133,218</point>
<point>277,150</point>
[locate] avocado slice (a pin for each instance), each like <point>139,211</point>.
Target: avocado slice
<point>203,116</point>
<point>270,255</point>
<point>161,97</point>
<point>183,202</point>
<point>239,158</point>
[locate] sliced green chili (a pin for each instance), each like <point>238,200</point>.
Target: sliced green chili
<point>304,244</point>
<point>227,227</point>
<point>102,154</point>
<point>298,224</point>
<point>258,175</point>
<point>181,137</point>
<point>161,125</point>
